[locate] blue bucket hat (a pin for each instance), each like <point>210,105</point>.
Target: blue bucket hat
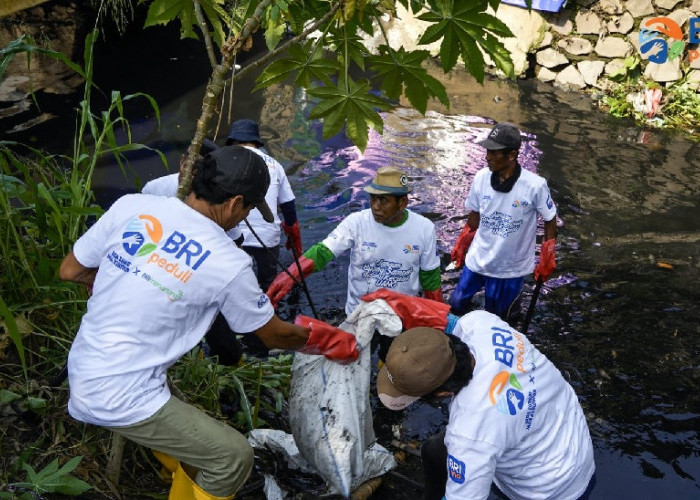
<point>245,131</point>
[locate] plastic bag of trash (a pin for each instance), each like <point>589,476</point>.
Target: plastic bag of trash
<point>329,407</point>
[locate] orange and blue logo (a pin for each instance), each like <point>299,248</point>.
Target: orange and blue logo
<point>407,249</point>
<point>142,235</point>
<point>506,393</point>
<point>661,39</point>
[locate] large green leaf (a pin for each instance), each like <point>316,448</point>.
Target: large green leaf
<point>351,105</point>
<point>466,30</point>
<point>349,45</point>
<point>402,73</point>
<point>303,61</point>
<point>166,11</point>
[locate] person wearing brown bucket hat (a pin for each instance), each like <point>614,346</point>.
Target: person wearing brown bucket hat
<point>160,270</point>
<point>390,247</point>
<point>513,418</point>
<point>497,244</point>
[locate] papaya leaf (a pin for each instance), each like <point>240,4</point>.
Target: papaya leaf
<point>307,66</point>
<point>402,73</point>
<point>351,105</point>
<point>466,30</point>
<point>52,479</point>
<point>349,45</point>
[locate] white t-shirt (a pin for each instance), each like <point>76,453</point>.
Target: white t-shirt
<point>279,192</point>
<point>383,256</point>
<point>165,270</point>
<point>517,423</point>
<point>167,186</point>
<point>504,244</point>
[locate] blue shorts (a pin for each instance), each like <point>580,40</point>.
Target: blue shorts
<point>501,293</point>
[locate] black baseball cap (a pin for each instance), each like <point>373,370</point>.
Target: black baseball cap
<point>239,170</point>
<point>502,136</point>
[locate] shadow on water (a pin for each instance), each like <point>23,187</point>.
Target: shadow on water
<point>620,320</point>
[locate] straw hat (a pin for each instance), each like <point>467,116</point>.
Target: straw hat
<point>389,180</point>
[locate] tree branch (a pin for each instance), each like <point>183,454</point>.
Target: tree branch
<point>213,92</point>
<point>205,32</point>
<point>301,36</point>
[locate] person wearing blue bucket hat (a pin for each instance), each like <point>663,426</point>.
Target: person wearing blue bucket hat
<point>390,247</point>
<point>262,239</point>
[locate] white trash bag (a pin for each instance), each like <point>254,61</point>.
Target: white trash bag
<point>330,413</point>
<point>329,407</point>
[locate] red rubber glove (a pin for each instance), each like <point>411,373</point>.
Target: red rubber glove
<point>547,263</point>
<point>334,343</point>
<point>459,252</point>
<point>413,311</point>
<point>435,295</point>
<point>293,237</point>
<point>283,283</point>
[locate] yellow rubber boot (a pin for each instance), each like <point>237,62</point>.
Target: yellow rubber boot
<point>169,465</point>
<point>184,488</point>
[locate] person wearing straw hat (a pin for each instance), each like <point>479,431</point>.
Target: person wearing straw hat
<point>161,269</point>
<point>497,245</point>
<point>390,247</point>
<point>265,250</point>
<point>513,420</point>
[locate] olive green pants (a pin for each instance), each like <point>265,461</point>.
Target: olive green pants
<point>222,454</point>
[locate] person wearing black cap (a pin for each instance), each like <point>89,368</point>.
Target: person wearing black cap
<point>265,252</point>
<point>513,419</point>
<point>497,245</point>
<point>161,269</point>
<point>390,247</point>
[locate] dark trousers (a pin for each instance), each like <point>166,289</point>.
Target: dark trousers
<point>223,343</point>
<point>264,263</point>
<point>433,456</point>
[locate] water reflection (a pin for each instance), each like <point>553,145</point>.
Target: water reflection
<point>620,320</point>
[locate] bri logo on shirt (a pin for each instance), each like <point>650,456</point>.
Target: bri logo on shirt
<point>142,236</point>
<point>411,249</point>
<point>455,469</point>
<point>505,392</point>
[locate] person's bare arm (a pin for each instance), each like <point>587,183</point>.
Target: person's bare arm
<point>473,220</point>
<point>72,270</point>
<point>550,229</point>
<point>278,334</point>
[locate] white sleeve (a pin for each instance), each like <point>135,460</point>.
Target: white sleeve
<point>342,238</point>
<point>89,249</point>
<point>544,203</point>
<point>243,304</point>
<point>471,466</point>
<point>472,201</point>
<point>429,259</point>
<point>285,192</point>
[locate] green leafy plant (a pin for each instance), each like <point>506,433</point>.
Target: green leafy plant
<point>50,479</point>
<point>320,45</point>
<point>255,385</point>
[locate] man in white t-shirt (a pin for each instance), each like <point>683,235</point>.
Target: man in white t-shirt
<point>220,341</point>
<point>161,269</point>
<point>504,202</point>
<point>264,245</point>
<point>513,420</point>
<point>390,247</point>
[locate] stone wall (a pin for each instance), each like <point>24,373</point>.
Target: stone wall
<point>582,45</point>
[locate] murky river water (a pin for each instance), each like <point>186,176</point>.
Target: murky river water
<point>621,320</point>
